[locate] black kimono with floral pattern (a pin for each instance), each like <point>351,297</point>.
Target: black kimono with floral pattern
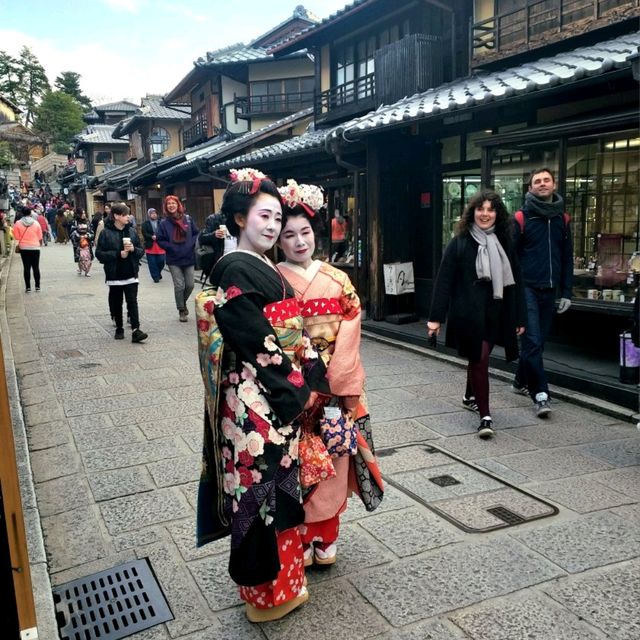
<point>259,369</point>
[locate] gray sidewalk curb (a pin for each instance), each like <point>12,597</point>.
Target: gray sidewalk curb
<point>41,583</point>
<point>595,404</point>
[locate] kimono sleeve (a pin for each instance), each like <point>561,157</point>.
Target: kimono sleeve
<point>345,371</point>
<point>248,333</point>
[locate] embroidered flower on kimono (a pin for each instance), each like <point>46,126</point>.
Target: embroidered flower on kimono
<point>275,437</point>
<point>286,461</point>
<point>248,371</point>
<point>256,475</point>
<point>295,378</point>
<point>234,505</point>
<point>263,359</point>
<point>261,408</point>
<point>271,344</point>
<point>232,400</point>
<point>229,483</point>
<point>248,393</point>
<point>260,424</point>
<point>208,306</point>
<point>286,429</point>
<point>226,453</point>
<point>245,458</point>
<point>276,359</point>
<point>233,292</point>
<point>228,430</point>
<point>264,513</point>
<point>220,298</point>
<point>229,466</point>
<point>246,479</point>
<point>293,449</point>
<point>255,444</point>
<point>234,378</point>
<point>203,325</point>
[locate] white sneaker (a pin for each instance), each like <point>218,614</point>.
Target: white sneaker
<point>542,405</point>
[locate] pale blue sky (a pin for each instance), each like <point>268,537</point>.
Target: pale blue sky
<point>125,49</point>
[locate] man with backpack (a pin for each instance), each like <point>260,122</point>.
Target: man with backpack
<point>543,242</point>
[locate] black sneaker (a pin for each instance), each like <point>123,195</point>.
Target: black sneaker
<point>27,290</point>
<point>138,336</point>
<point>485,430</point>
<point>119,334</point>
<point>470,403</point>
<point>518,388</point>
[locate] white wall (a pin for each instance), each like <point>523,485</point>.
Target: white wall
<point>229,87</point>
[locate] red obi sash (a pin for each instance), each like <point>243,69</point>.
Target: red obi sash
<point>321,307</point>
<point>278,312</point>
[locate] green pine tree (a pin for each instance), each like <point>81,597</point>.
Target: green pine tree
<point>69,83</point>
<point>9,77</point>
<point>58,119</point>
<point>33,83</point>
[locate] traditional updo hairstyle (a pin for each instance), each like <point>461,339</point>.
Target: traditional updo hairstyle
<point>502,215</point>
<point>242,193</point>
<point>301,200</point>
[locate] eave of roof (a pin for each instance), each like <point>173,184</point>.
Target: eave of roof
<point>487,87</point>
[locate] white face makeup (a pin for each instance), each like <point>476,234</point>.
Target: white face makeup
<point>485,215</point>
<point>261,228</point>
<point>298,241</point>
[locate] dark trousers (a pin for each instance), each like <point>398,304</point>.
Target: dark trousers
<point>478,380</point>
<point>156,265</point>
<point>130,294</point>
<point>30,261</point>
<point>540,310</point>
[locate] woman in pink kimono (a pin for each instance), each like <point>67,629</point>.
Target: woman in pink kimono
<point>331,315</point>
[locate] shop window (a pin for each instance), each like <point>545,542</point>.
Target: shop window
<point>457,190</point>
<point>472,149</point>
<point>451,150</point>
<point>159,140</point>
<point>602,199</point>
<point>103,157</point>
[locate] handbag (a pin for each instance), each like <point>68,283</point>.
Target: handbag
<point>338,432</point>
<point>315,461</point>
<point>17,248</point>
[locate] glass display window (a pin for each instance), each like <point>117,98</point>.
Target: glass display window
<point>456,192</point>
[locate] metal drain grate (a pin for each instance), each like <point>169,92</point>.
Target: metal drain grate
<point>444,481</point>
<point>506,515</point>
<point>111,604</point>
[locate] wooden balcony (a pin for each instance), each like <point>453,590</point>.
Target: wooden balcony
<point>196,133</point>
<point>346,99</point>
<point>541,22</point>
<point>272,105</point>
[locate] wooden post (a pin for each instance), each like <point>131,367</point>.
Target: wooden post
<point>13,511</point>
<point>374,231</point>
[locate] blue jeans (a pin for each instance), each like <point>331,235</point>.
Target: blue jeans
<point>155,261</point>
<point>540,310</point>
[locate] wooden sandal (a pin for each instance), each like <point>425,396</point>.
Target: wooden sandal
<point>275,613</point>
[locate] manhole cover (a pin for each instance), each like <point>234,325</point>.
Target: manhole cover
<point>471,498</point>
<point>68,353</point>
<point>111,604</point>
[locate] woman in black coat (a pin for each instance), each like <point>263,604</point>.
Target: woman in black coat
<point>479,292</point>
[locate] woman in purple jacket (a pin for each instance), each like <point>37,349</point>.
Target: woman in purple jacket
<point>177,235</point>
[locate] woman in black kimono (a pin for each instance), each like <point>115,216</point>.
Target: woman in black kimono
<point>260,374</point>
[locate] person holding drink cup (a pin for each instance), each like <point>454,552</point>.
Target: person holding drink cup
<point>120,252</point>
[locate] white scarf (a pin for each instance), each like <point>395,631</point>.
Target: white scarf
<point>492,262</point>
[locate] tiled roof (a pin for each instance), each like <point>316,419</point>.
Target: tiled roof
<point>334,17</point>
<point>151,109</point>
<point>299,13</point>
<point>116,175</point>
<point>98,134</point>
<point>305,143</point>
<point>238,52</point>
<point>486,87</point>
<point>216,150</point>
<point>123,105</point>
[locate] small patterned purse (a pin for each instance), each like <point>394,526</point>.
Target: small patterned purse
<point>315,461</point>
<point>338,432</point>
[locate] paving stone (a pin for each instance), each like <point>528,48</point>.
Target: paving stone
<point>102,564</point>
<point>608,599</point>
<point>30,380</point>
<point>33,532</point>
<point>173,426</point>
<point>582,494</point>
<point>470,447</point>
<point>451,424</point>
<point>194,393</point>
<point>187,605</point>
<point>212,577</point>
<point>407,458</point>
<point>393,500</point>
<point>410,531</point>
<point>95,393</point>
<point>55,462</point>
<point>120,482</point>
<point>184,537</point>
<point>190,492</point>
<point>42,412</point>
<point>107,437</point>
<point>618,453</point>
<point>432,630</point>
<point>511,418</point>
<point>63,494</point>
<point>443,580</point>
<point>176,471</point>
<point>90,423</point>
<point>138,538</point>
<point>49,434</point>
<point>388,434</point>
<point>79,384</point>
<point>134,453</point>
<point>36,395</point>
<point>73,538</point>
<point>502,472</point>
<point>41,589</point>
<point>235,626</point>
<point>630,512</point>
<point>625,481</point>
<point>152,376</point>
<point>592,541</point>
<point>525,617</point>
<point>546,435</point>
<point>390,411</point>
<point>178,410</point>
<point>550,464</point>
<point>104,405</point>
<point>334,610</point>
<point>144,509</point>
<point>194,441</point>
<point>572,412</point>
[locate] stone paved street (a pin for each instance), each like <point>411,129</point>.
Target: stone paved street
<point>113,432</point>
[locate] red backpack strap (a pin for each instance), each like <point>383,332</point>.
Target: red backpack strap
<point>519,216</point>
<point>567,219</point>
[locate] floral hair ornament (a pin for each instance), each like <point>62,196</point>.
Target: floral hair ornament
<point>248,175</point>
<point>307,196</point>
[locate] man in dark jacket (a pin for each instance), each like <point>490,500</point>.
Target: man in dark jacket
<point>120,252</point>
<point>543,242</point>
<point>212,236</point>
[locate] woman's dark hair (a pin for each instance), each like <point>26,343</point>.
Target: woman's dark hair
<point>294,212</point>
<point>239,199</point>
<point>119,208</point>
<point>502,215</point>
